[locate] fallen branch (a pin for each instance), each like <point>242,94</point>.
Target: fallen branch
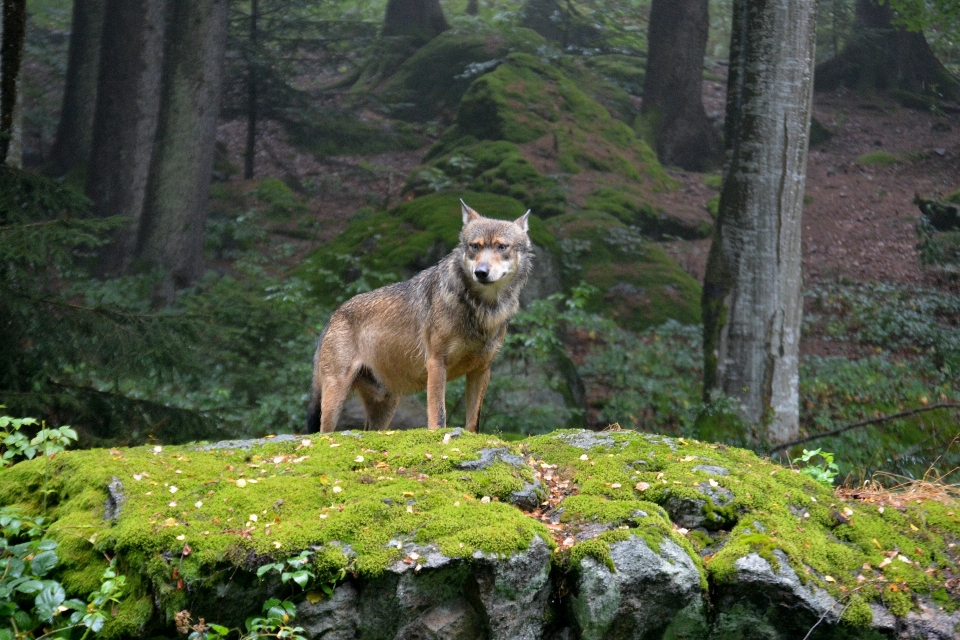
<point>864,423</point>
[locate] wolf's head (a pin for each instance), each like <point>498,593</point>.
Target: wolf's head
<point>495,252</point>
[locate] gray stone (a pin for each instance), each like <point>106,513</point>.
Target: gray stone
<point>529,497</point>
<point>451,620</point>
<point>930,623</point>
<point>489,457</point>
<point>587,440</point>
<point>643,594</point>
<point>115,499</point>
<point>712,470</point>
<point>246,444</point>
<point>515,593</point>
<point>690,513</point>
<point>755,580</point>
<point>333,618</point>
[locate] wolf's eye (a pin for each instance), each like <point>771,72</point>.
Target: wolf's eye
<point>475,246</point>
<point>503,247</point>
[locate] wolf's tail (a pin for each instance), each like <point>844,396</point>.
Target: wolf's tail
<point>313,409</point>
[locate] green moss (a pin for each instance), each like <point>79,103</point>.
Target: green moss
<point>434,79</point>
<point>878,159</point>
<point>638,284</point>
<point>493,167</point>
<point>857,613</point>
<point>236,509</point>
<point>627,72</point>
<point>545,124</point>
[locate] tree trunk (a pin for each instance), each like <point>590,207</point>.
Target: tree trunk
<point>422,20</point>
<point>887,58</point>
<point>125,121</point>
<point>250,152</point>
<point>71,150</point>
<point>13,28</point>
<point>751,296</point>
<point>473,7</point>
<point>674,118</point>
<point>172,234</point>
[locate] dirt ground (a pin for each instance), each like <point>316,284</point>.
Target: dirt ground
<point>859,220</point>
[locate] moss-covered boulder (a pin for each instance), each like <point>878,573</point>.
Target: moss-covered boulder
<point>637,283</point>
<point>432,81</point>
<point>572,533</point>
<point>531,130</point>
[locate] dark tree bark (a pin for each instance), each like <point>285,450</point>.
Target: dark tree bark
<point>13,28</point>
<point>251,149</point>
<point>172,233</point>
<point>473,7</point>
<point>422,20</point>
<point>751,294</point>
<point>886,58</point>
<point>560,21</point>
<point>673,113</point>
<point>71,150</point>
<point>125,121</point>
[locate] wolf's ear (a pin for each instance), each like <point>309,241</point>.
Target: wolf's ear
<point>468,213</point>
<point>523,222</point>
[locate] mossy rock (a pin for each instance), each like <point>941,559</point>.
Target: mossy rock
<point>342,133</point>
<point>632,207</point>
<point>638,284</point>
<point>197,521</point>
<point>387,246</point>
<point>627,72</point>
<point>878,159</point>
<point>490,166</point>
<point>432,81</point>
<point>527,128</point>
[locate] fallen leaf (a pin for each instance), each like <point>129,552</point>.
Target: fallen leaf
<point>241,483</point>
<point>642,486</point>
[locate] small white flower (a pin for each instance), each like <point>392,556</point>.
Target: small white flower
<point>173,489</point>
<point>173,503</point>
<point>253,517</point>
<point>198,504</point>
<point>358,459</point>
<point>138,477</point>
<point>584,457</point>
<point>337,489</point>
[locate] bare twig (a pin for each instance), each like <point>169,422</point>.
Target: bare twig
<point>864,423</point>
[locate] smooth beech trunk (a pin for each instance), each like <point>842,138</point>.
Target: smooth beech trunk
<point>125,122</point>
<point>674,118</point>
<point>75,129</point>
<point>752,303</point>
<point>172,233</point>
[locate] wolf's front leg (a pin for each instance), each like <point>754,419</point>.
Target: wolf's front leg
<point>477,382</point>
<point>436,393</point>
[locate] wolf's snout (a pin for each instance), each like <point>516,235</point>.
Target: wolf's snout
<point>482,272</point>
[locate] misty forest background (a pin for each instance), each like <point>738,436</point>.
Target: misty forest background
<point>164,274</point>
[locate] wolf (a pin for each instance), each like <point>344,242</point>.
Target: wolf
<point>447,321</point>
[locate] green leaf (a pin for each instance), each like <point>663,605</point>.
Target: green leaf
<point>29,586</point>
<point>43,562</point>
<point>48,600</point>
<point>301,578</point>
